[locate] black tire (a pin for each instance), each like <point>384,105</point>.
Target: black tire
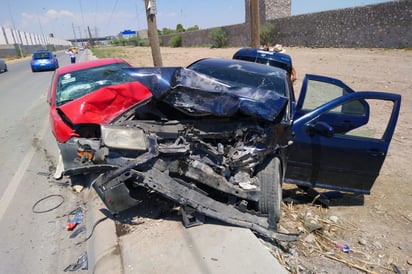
<point>5,68</point>
<point>270,201</point>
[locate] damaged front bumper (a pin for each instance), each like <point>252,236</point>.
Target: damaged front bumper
<point>113,193</point>
<point>113,187</point>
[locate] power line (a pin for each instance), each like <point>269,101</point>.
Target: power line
<point>110,18</point>
<point>81,11</point>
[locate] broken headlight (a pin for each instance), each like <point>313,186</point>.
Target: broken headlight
<point>129,138</point>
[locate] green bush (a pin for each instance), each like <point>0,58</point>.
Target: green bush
<point>218,37</point>
<point>266,36</point>
<point>175,41</point>
<point>133,41</point>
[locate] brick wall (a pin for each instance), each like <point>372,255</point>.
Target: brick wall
<point>386,25</point>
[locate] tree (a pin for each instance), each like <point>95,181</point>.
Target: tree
<point>180,28</point>
<point>166,31</point>
<point>195,27</point>
<point>266,35</point>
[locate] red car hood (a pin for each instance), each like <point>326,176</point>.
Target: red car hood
<point>105,104</point>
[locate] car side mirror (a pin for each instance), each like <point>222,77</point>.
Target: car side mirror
<point>321,128</point>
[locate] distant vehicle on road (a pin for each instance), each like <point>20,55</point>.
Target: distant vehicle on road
<point>75,50</point>
<point>43,60</point>
<point>3,65</point>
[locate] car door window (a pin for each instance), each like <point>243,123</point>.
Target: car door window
<point>342,118</point>
<point>318,90</point>
<point>318,93</point>
<point>376,126</point>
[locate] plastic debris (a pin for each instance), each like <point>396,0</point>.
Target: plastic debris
<point>343,247</point>
<point>77,231</point>
<point>82,263</point>
<point>75,217</point>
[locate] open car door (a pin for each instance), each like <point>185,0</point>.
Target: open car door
<point>341,137</point>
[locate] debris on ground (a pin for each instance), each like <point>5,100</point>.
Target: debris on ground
<point>74,218</point>
<point>81,263</point>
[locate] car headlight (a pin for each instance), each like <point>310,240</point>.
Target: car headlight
<point>124,138</point>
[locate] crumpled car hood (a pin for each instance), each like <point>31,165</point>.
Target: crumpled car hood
<point>185,90</point>
<point>198,95</point>
<point>103,105</point>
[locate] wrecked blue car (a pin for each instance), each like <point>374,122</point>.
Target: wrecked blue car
<point>220,137</point>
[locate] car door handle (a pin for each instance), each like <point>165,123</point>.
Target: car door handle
<point>375,153</point>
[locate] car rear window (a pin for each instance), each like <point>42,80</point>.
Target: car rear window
<point>41,55</point>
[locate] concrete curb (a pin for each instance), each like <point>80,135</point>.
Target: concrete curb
<point>103,248</point>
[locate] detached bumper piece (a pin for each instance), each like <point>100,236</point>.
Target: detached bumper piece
<point>114,194</point>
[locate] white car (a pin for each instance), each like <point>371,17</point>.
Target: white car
<point>3,65</point>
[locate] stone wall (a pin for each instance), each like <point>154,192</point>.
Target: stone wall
<point>386,25</point>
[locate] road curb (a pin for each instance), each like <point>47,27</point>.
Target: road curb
<point>103,250</point>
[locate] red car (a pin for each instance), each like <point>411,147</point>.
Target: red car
<point>84,96</point>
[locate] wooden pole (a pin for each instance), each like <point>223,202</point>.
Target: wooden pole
<point>254,23</point>
<point>150,6</point>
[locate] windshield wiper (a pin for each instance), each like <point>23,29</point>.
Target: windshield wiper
<point>63,102</point>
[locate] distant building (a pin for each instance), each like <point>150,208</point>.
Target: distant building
<point>270,9</point>
<point>128,33</point>
<point>143,34</point>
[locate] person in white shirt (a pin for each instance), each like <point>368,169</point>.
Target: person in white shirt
<point>72,56</point>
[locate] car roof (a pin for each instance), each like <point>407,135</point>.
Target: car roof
<point>42,54</point>
<point>89,64</point>
<point>247,65</point>
<point>271,58</point>
<point>42,50</point>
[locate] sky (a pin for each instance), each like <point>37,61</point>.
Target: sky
<point>72,19</point>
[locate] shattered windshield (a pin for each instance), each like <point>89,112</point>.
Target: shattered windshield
<point>76,84</point>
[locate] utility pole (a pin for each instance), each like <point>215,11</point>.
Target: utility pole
<point>20,51</point>
<point>254,23</point>
<point>91,43</point>
<point>150,6</point>
<point>74,33</point>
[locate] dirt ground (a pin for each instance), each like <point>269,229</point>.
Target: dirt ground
<point>377,227</point>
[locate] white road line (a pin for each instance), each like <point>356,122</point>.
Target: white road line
<point>11,189</point>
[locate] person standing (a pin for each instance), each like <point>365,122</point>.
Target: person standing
<point>72,56</point>
<point>279,48</point>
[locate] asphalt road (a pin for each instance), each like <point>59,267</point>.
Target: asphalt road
<point>33,240</point>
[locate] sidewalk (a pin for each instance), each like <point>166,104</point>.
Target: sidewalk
<point>168,247</point>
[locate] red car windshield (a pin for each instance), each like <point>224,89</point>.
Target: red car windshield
<point>76,84</point>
